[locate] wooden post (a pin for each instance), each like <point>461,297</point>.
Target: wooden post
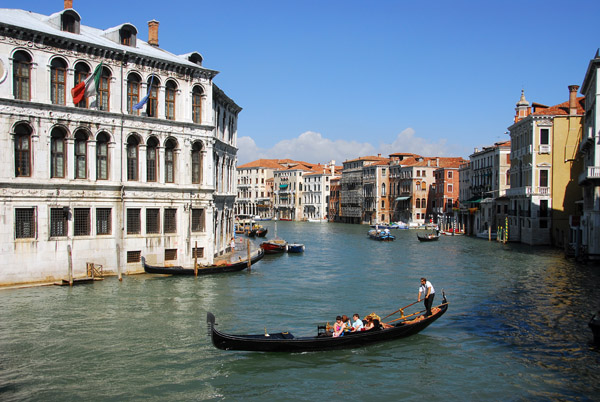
<point>196,259</point>
<point>489,233</point>
<point>119,263</point>
<point>70,265</point>
<point>249,262</point>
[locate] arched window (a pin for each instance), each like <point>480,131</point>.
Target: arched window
<point>102,156</point>
<point>152,104</point>
<point>170,146</point>
<point>58,77</point>
<point>132,158</point>
<point>197,104</point>
<point>57,152</point>
<point>103,99</point>
<point>418,203</point>
<point>423,186</point>
<point>170,94</point>
<point>133,92</point>
<point>22,150</point>
<point>383,189</point>
<point>82,71</point>
<point>423,203</point>
<point>151,159</point>
<point>196,162</point>
<point>22,75</point>
<point>81,140</point>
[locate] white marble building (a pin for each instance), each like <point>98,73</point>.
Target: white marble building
<point>111,183</point>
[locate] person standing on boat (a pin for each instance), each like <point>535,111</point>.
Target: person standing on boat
<point>427,290</point>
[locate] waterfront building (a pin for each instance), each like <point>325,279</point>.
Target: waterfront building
<point>543,173</point>
<point>352,192</point>
<point>316,192</point>
<point>486,184</point>
<point>376,200</point>
<point>254,197</point>
<point>100,181</point>
<point>334,200</point>
<point>287,184</point>
<point>444,195</point>
<point>587,229</point>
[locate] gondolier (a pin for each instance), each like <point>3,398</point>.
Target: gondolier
<point>428,292</point>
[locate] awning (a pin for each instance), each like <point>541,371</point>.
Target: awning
<point>474,200</point>
<point>402,198</point>
<point>283,186</point>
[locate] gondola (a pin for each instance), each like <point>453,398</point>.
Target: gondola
<point>428,237</point>
<point>202,270</point>
<point>261,232</point>
<point>286,342</point>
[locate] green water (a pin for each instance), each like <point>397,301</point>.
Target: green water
<point>516,327</point>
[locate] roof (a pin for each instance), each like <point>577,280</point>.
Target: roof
<point>22,19</point>
<point>562,109</point>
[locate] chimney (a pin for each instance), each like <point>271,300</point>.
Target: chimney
<point>153,33</point>
<point>68,4</point>
<point>573,99</point>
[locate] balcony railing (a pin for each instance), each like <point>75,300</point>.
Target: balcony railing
<point>545,149</point>
<point>590,173</point>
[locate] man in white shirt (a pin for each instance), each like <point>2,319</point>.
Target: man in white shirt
<point>428,292</point>
<point>358,324</point>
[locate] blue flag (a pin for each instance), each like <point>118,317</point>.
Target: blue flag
<point>141,104</point>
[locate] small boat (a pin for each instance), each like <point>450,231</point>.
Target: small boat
<point>453,232</point>
<point>486,235</point>
<point>381,235</point>
<point>274,246</point>
<point>428,237</point>
<point>286,342</point>
<point>261,232</point>
<point>203,269</point>
<point>295,248</point>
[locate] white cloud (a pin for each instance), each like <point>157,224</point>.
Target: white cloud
<point>313,147</point>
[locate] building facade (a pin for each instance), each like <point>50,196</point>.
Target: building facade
<point>376,199</point>
<point>101,181</point>
<point>255,196</point>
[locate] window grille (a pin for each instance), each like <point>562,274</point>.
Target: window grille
<point>152,220</point>
<point>103,221</point>
<point>81,222</point>
<point>197,220</point>
<point>134,256</point>
<point>25,227</point>
<point>170,254</point>
<point>133,221</point>
<point>58,222</point>
<point>198,252</point>
<point>170,220</point>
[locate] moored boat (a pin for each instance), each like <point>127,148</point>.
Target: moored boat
<point>286,342</point>
<point>274,246</point>
<point>428,237</point>
<point>203,269</point>
<point>295,248</point>
<point>261,232</point>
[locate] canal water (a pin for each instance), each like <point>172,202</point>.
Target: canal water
<point>516,327</point>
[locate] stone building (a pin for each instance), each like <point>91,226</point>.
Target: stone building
<point>99,181</point>
<point>376,201</point>
<point>352,192</point>
<point>254,193</point>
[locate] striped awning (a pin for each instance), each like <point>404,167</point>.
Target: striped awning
<point>402,198</point>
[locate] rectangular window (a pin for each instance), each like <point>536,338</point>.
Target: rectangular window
<point>449,174</point>
<point>133,221</point>
<point>170,103</point>
<point>151,164</point>
<point>25,226</point>
<point>450,188</point>
<point>134,256</point>
<point>198,252</point>
<point>545,136</point>
<point>103,221</point>
<point>170,254</point>
<point>81,222</point>
<point>80,158</point>
<point>102,160</point>
<point>57,157</point>
<point>103,93</point>
<point>170,220</point>
<point>58,222</point>
<point>152,220</point>
<point>197,220</point>
<point>22,156</point>
<point>543,178</point>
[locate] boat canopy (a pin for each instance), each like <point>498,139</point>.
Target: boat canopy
<point>402,198</point>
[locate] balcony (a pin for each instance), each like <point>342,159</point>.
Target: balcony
<point>590,173</point>
<point>544,149</point>
<point>519,191</point>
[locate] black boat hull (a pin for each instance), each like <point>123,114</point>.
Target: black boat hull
<point>427,238</point>
<point>213,269</point>
<point>285,342</point>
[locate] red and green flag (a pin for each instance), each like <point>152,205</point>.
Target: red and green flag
<point>87,88</point>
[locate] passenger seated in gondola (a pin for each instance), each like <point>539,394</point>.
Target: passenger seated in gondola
<point>338,327</point>
<point>369,325</point>
<point>358,324</point>
<point>347,323</point>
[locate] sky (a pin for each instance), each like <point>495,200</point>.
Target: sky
<point>334,80</point>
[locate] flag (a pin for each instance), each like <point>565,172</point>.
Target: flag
<point>141,104</point>
<point>87,88</point>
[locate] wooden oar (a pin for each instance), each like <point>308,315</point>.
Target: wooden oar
<point>417,313</point>
<point>401,310</point>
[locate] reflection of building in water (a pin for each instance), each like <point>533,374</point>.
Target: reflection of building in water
<point>113,181</point>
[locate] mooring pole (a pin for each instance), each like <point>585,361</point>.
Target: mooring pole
<point>70,265</point>
<point>249,263</point>
<point>196,259</point>
<point>119,262</point>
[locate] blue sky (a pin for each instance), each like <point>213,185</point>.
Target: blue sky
<point>322,80</point>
